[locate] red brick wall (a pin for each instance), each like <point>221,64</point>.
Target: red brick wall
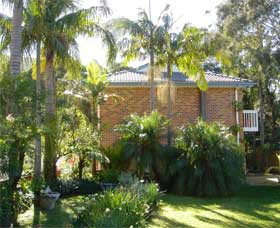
<point>219,107</point>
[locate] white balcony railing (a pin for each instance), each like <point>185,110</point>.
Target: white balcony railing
<point>250,121</point>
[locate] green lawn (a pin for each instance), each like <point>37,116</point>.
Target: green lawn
<point>59,217</point>
<point>253,207</point>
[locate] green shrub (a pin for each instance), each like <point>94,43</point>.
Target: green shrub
<point>108,176</point>
<point>121,207</point>
<point>140,136</point>
<point>215,161</point>
<point>116,156</point>
<point>171,170</point>
<point>75,187</point>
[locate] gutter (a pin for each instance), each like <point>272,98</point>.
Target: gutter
<point>210,85</point>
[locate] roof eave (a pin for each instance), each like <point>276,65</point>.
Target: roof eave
<point>210,84</point>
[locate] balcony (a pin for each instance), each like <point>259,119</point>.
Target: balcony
<point>250,121</point>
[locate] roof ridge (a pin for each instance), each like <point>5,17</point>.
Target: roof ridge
<point>125,71</point>
<point>227,76</point>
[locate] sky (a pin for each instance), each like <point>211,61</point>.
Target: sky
<point>184,11</point>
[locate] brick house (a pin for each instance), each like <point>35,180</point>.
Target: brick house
<point>215,104</point>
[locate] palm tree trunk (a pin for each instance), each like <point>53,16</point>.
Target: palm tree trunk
<point>152,89</point>
<point>15,158</point>
<point>50,120</point>
<point>16,38</point>
<point>169,104</point>
<point>37,166</point>
<point>38,143</point>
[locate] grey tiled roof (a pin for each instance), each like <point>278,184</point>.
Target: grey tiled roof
<point>138,77</point>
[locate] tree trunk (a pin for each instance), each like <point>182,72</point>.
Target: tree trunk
<point>81,167</point>
<point>16,156</point>
<point>16,38</point>
<point>169,104</point>
<point>38,143</point>
<point>152,89</point>
<point>37,166</point>
<point>261,112</point>
<point>50,120</point>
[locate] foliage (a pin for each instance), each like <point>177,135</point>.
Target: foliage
<point>141,137</point>
<point>128,179</point>
<point>170,169</point>
<point>213,158</point>
<point>108,176</point>
<point>80,140</point>
<point>121,207</point>
<point>116,156</point>
<point>73,187</point>
<point>16,132</point>
<point>249,38</point>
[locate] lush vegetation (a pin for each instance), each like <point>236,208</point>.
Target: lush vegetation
<point>49,111</point>
<point>252,207</point>
<point>128,206</point>
<point>214,160</point>
<point>205,162</point>
<point>140,138</point>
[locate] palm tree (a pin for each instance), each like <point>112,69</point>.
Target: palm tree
<point>57,31</point>
<point>16,37</point>
<point>15,62</point>
<point>59,42</point>
<point>185,50</point>
<point>88,94</point>
<point>142,41</point>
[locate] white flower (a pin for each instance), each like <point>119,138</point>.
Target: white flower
<point>142,135</point>
<point>107,210</point>
<point>131,226</point>
<point>10,118</point>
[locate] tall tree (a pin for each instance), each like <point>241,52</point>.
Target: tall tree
<point>251,38</point>
<point>140,43</point>
<point>184,50</point>
<point>59,42</point>
<point>16,37</point>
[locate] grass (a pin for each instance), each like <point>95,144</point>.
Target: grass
<point>253,207</point>
<point>60,216</point>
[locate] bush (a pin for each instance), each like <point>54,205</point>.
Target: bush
<point>121,207</point>
<point>108,176</point>
<point>214,160</point>
<point>171,170</point>
<point>75,187</point>
<point>140,137</point>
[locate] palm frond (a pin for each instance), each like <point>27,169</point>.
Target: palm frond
<point>81,18</point>
<point>5,29</point>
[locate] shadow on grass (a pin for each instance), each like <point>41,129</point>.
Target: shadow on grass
<point>167,222</point>
<point>253,206</point>
<point>60,216</point>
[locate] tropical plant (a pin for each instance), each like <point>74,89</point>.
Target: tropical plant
<point>121,207</point>
<point>81,140</point>
<point>171,170</point>
<point>16,132</point>
<point>214,160</point>
<point>141,42</point>
<point>87,93</point>
<point>184,50</point>
<point>141,137</point>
